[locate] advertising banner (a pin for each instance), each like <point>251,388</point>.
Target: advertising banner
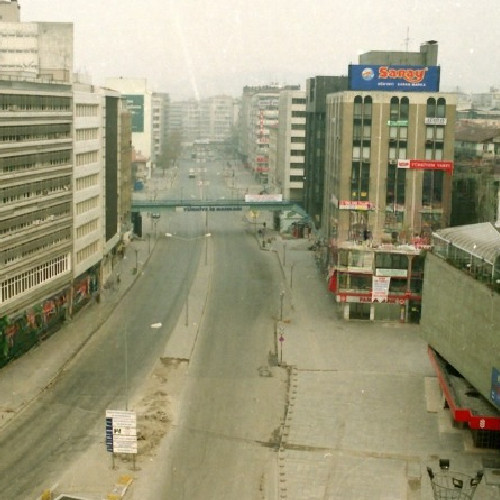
<point>362,206</point>
<point>380,288</point>
<point>394,78</point>
<point>135,104</point>
<point>444,165</point>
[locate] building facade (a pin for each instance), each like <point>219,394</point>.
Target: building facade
<point>291,145</point>
<point>388,178</point>
<point>35,50</point>
<point>160,104</point>
<point>389,163</point>
<point>317,88</point>
<point>140,104</point>
<point>36,248</point>
<point>259,112</point>
<point>60,175</point>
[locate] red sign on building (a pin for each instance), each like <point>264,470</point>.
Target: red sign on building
<point>444,165</point>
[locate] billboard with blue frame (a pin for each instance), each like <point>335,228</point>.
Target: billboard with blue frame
<point>395,78</point>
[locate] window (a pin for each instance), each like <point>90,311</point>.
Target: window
<point>28,280</point>
<point>441,108</point>
<point>394,109</point>
<point>431,108</point>
<point>358,101</point>
<point>360,181</point>
<point>432,188</point>
<point>367,107</point>
<point>391,261</point>
<point>404,109</point>
<point>396,184</point>
<point>357,131</point>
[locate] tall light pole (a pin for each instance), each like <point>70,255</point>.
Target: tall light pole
<point>282,295</point>
<point>207,235</point>
<point>126,367</point>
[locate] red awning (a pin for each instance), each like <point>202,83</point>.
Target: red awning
<point>473,419</point>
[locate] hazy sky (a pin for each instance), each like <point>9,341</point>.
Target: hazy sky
<point>192,48</point>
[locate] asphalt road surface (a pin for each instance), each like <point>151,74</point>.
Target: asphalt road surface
<point>235,397</point>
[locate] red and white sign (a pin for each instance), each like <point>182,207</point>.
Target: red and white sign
<point>380,288</point>
<point>367,298</point>
<point>445,165</point>
<point>356,205</point>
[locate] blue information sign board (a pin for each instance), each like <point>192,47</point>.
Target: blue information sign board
<point>495,386</point>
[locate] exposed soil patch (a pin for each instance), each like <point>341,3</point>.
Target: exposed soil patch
<point>159,404</point>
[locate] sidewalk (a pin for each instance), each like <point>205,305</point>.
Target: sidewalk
<point>22,380</point>
<point>358,425</point>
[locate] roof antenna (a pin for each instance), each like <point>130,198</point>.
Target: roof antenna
<point>407,39</point>
<point>407,42</point>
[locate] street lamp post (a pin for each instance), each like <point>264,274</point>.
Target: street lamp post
<point>282,295</point>
<point>207,235</point>
<point>126,369</point>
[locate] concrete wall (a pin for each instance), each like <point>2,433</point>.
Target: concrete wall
<point>55,50</point>
<point>461,320</point>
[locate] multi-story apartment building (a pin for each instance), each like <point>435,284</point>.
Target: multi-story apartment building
<point>317,88</point>
<point>291,144</point>
<point>476,179</point>
<point>389,161</point>
<point>88,190</point>
<point>211,119</point>
<point>60,178</point>
<point>140,104</point>
<point>158,127</point>
<point>217,118</point>
<point>36,49</point>
<point>258,113</point>
<point>125,172</point>
<point>36,246</point>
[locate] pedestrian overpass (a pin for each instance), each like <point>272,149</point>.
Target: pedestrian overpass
<point>220,205</point>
